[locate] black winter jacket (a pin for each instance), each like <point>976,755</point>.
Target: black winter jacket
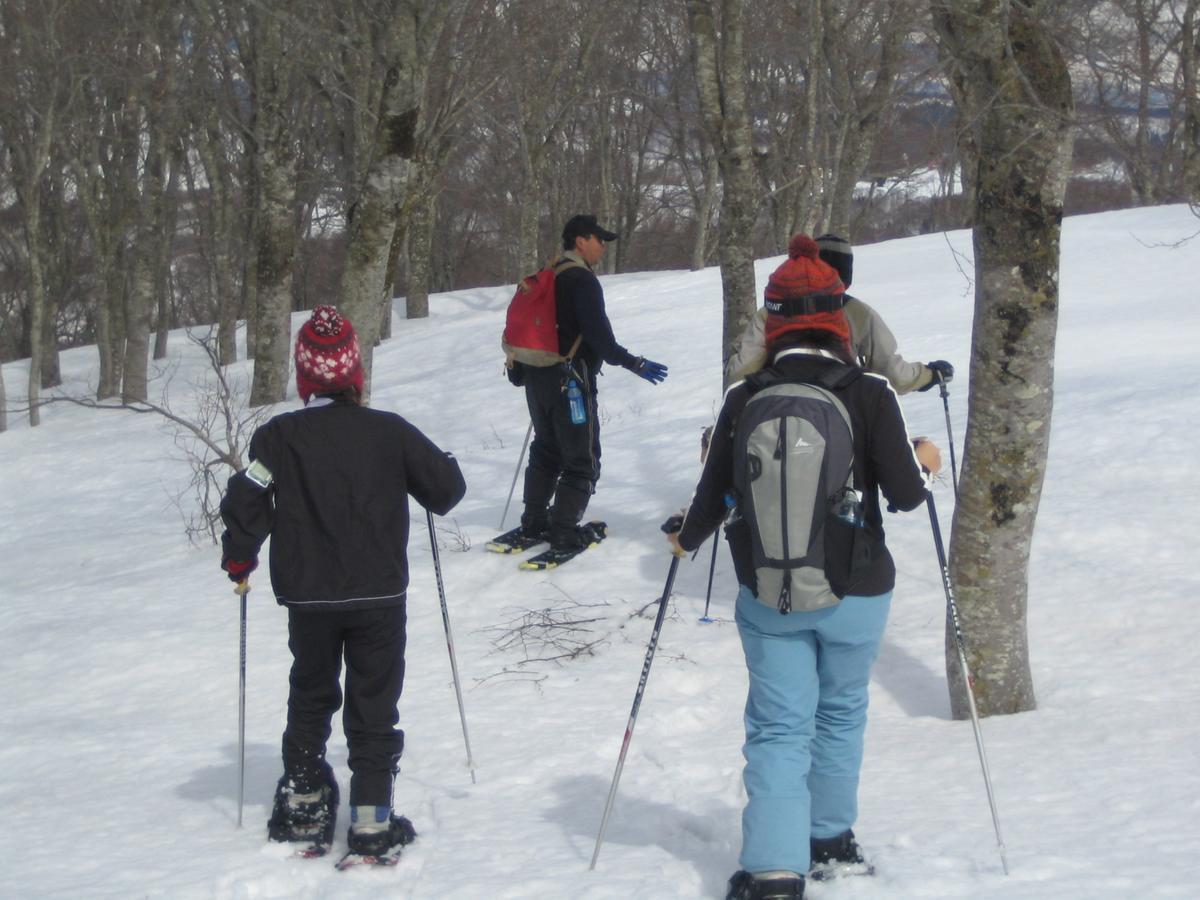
<point>579,308</point>
<point>336,506</point>
<point>883,459</point>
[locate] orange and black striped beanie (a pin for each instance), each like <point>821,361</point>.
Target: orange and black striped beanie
<point>805,293</point>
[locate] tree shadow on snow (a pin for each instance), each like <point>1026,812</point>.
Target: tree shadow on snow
<point>217,786</point>
<point>917,688</point>
<point>708,841</point>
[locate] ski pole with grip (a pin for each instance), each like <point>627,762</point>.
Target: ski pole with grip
<point>637,702</point>
<point>242,589</point>
<point>437,568</point>
<point>512,487</point>
<point>949,431</point>
<point>960,645</point>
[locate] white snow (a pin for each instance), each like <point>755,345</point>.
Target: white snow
<point>119,640</point>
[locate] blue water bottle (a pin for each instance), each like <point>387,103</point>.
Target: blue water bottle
<point>575,400</point>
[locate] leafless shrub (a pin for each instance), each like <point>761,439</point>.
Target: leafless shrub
<point>453,538</point>
<point>552,634</point>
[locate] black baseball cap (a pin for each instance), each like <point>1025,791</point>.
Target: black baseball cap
<point>585,226</point>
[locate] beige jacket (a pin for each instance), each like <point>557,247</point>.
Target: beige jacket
<point>873,343</point>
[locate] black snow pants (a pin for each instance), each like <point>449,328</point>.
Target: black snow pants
<point>372,643</point>
<point>564,457</point>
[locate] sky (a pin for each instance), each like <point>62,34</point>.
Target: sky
<point>119,647</point>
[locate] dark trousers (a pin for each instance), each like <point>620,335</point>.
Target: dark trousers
<point>372,642</point>
<point>564,458</point>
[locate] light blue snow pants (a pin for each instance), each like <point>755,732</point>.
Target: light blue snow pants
<point>806,712</point>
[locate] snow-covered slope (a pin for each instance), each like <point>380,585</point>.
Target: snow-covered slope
<point>119,640</point>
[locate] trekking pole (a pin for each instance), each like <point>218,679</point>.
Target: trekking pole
<point>437,568</point>
<point>637,702</point>
<point>949,431</point>
<point>956,627</point>
<point>712,566</point>
<point>242,589</point>
<point>512,487</point>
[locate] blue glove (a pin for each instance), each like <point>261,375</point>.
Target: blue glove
<point>939,367</point>
<point>653,372</point>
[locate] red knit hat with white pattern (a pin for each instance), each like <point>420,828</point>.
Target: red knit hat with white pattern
<point>327,356</point>
<point>805,293</point>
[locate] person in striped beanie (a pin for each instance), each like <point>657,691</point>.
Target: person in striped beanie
<point>805,292</point>
<point>871,341</point>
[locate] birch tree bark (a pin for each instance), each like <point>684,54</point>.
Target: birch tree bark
<point>270,60</point>
<point>1018,104</point>
<point>406,40</point>
<point>1189,58</point>
<point>32,105</point>
<point>718,47</point>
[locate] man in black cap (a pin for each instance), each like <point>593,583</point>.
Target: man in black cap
<point>564,457</point>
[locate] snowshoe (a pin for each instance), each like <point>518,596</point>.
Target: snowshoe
<point>377,838</point>
<point>837,857</point>
<point>377,843</point>
<point>299,816</point>
<point>766,886</point>
<point>590,535</point>
<point>517,540</point>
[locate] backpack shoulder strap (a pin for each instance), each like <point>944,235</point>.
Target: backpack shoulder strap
<point>832,377</point>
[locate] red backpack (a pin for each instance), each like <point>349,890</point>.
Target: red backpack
<point>531,326</point>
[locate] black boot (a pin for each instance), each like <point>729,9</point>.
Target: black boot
<point>378,830</point>
<point>775,886</point>
<point>837,856</point>
<point>570,503</point>
<point>304,811</point>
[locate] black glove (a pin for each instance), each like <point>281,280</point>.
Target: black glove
<point>653,372</point>
<point>515,373</point>
<point>942,368</point>
<point>673,525</point>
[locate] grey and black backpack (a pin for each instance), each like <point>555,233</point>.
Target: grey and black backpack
<point>793,464</point>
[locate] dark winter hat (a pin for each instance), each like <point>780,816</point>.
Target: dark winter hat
<point>327,356</point>
<point>805,294</point>
<point>584,226</point>
<point>837,252</point>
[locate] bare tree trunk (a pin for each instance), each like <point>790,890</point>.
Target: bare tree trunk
<point>420,254</point>
<point>165,241</point>
<point>275,249</point>
<point>379,205</point>
<point>863,116</point>
<point>712,173</point>
<point>717,35</point>
<point>1018,95</point>
<point>374,216</point>
<point>1189,56</point>
<point>272,67</point>
<point>3,404</point>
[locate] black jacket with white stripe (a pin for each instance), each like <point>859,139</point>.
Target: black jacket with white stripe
<point>338,477</point>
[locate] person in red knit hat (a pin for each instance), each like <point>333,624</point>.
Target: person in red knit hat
<point>870,340</point>
<point>330,485</point>
<point>327,357</point>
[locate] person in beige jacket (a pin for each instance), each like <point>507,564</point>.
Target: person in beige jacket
<point>872,340</point>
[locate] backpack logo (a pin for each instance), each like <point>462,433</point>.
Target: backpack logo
<point>793,454</point>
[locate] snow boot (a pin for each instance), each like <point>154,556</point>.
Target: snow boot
<point>375,830</point>
<point>766,886</point>
<point>303,814</point>
<point>836,857</point>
